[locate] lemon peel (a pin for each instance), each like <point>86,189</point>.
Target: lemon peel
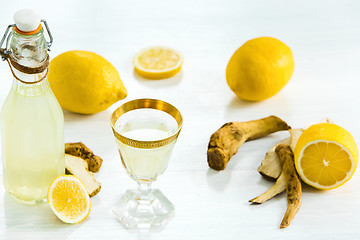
<point>85,82</point>
<point>260,68</point>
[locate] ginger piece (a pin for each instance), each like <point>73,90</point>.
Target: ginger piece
<point>225,142</point>
<point>294,137</point>
<point>277,188</point>
<point>79,168</point>
<point>81,150</point>
<point>293,184</point>
<point>289,181</point>
<point>280,183</point>
<point>271,166</point>
<point>326,120</point>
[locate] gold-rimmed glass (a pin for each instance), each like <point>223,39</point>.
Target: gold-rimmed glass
<point>145,131</point>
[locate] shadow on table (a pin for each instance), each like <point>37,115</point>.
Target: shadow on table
<point>22,218</point>
<point>239,110</point>
<point>236,108</point>
<point>309,189</point>
<point>218,180</point>
<point>237,103</point>
<point>158,83</point>
<point>74,117</point>
<point>145,234</point>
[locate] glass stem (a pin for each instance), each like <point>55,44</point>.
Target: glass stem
<point>144,191</point>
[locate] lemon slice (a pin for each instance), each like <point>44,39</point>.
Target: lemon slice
<point>326,156</point>
<point>68,199</point>
<point>158,62</point>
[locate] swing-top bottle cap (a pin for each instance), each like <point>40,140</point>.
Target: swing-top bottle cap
<point>27,20</point>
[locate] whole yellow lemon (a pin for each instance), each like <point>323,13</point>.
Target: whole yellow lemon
<point>260,68</point>
<point>85,82</point>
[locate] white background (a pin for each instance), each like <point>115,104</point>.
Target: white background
<point>325,39</point>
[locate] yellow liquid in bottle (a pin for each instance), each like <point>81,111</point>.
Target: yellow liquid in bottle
<point>32,125</point>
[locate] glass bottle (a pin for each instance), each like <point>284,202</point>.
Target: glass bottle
<point>32,122</point>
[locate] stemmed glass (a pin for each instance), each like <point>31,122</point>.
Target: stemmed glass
<point>145,132</point>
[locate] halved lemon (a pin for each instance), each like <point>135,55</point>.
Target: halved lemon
<point>68,199</point>
<point>326,156</point>
<point>158,62</point>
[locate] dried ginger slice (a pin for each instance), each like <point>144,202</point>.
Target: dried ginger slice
<point>79,168</point>
<point>81,150</point>
<point>271,166</point>
<point>276,189</point>
<point>294,137</point>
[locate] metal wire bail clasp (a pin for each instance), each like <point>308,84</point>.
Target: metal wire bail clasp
<point>7,35</point>
<point>6,51</point>
<point>49,33</point>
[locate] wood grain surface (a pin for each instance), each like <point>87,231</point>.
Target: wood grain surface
<point>325,39</point>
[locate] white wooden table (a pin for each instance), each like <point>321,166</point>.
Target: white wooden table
<point>325,39</point>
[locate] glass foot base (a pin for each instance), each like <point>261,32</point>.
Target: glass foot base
<point>153,212</point>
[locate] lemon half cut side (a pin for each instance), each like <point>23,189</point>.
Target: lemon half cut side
<point>68,199</point>
<point>326,172</point>
<point>326,156</point>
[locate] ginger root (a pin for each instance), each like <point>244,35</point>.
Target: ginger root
<point>289,181</point>
<point>79,168</point>
<point>277,188</point>
<point>293,184</point>
<point>225,142</point>
<point>294,137</point>
<point>81,150</point>
<point>271,166</point>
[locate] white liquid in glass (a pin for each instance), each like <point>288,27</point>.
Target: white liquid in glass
<point>145,125</point>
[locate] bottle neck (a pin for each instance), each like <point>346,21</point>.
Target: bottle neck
<point>29,50</point>
<point>28,78</point>
<point>28,56</point>
<point>31,86</point>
